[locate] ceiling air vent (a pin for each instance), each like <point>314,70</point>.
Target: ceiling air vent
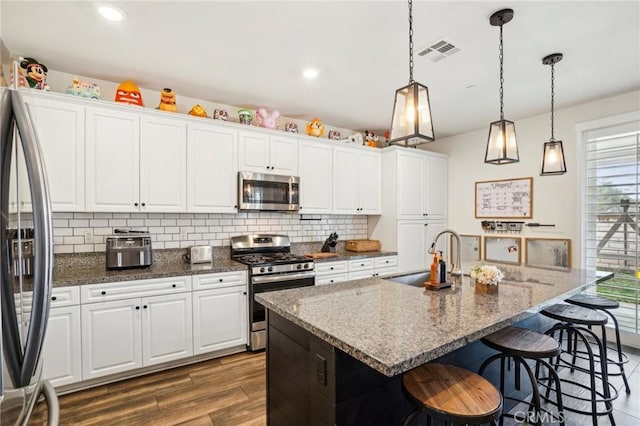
<point>438,49</point>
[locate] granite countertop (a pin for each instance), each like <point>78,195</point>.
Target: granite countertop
<point>395,327</point>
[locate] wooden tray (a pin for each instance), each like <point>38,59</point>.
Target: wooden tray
<point>321,255</point>
<point>362,245</point>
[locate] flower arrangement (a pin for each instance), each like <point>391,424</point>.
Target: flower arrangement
<point>487,274</point>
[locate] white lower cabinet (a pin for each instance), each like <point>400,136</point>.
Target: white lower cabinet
<point>61,352</point>
<point>332,272</point>
<point>219,318</point>
<point>166,328</point>
<point>414,240</point>
<point>345,270</point>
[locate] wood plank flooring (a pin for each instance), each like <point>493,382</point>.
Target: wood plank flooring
<point>223,391</point>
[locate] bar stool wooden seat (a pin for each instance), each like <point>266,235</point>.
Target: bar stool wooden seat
<point>452,394</point>
<point>605,305</point>
<point>576,322</point>
<point>521,344</point>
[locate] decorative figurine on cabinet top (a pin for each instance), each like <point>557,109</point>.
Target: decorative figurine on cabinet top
<point>245,116</point>
<point>370,139</point>
<point>84,89</point>
<point>129,93</point>
<point>291,127</point>
<point>167,100</point>
<point>268,120</point>
<point>315,128</point>
<point>36,73</point>
<point>220,114</point>
<point>198,111</point>
<point>334,135</point>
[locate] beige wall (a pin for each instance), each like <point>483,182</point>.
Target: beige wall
<point>556,199</point>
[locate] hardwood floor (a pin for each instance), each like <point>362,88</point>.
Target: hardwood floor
<point>223,391</point>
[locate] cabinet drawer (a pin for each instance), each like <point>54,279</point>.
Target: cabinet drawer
<point>219,280</point>
<point>139,288</point>
<point>325,268</point>
<point>331,279</point>
<point>60,296</point>
<point>360,265</point>
<point>367,273</point>
<point>386,261</point>
<point>389,270</point>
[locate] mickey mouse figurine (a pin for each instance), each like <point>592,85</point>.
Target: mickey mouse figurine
<point>370,139</point>
<point>36,74</point>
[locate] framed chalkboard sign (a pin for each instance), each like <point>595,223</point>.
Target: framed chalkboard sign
<point>505,199</point>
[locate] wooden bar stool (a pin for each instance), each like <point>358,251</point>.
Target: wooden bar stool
<point>521,344</point>
<point>576,322</point>
<point>605,305</point>
<point>452,394</point>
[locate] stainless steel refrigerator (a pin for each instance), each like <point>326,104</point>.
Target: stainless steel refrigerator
<point>26,247</point>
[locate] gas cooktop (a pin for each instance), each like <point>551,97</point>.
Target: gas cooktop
<point>269,258</point>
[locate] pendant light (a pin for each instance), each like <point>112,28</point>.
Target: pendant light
<point>411,123</point>
<point>502,147</point>
<point>553,154</point>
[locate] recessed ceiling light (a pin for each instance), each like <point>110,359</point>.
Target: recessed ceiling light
<point>111,12</point>
<point>310,73</point>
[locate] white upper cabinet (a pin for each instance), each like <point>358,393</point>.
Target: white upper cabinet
<point>60,130</point>
<point>112,160</point>
<point>212,172</point>
<point>163,164</point>
<point>315,160</point>
<point>262,152</point>
<point>135,162</point>
<point>422,186</point>
<point>356,180</point>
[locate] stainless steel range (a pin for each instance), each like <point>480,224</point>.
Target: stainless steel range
<point>272,267</point>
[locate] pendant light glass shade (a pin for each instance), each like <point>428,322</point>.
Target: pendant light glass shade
<point>553,153</point>
<point>411,124</point>
<point>502,147</point>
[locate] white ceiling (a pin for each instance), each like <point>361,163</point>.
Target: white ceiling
<point>252,53</point>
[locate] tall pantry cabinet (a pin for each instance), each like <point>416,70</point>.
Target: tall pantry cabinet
<point>414,205</point>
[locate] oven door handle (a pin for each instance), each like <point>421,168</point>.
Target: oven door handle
<point>282,277</point>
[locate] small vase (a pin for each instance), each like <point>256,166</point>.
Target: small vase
<point>486,288</point>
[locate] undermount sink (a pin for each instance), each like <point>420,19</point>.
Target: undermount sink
<point>415,279</point>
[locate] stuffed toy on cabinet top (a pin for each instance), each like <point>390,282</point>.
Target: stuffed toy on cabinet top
<point>129,93</point>
<point>268,120</point>
<point>315,128</point>
<point>36,73</point>
<point>167,100</point>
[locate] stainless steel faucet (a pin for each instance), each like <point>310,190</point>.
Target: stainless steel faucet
<point>457,263</point>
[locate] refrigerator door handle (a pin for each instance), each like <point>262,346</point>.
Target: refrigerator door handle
<point>43,247</point>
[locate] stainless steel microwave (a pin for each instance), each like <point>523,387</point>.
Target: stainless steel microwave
<point>260,191</point>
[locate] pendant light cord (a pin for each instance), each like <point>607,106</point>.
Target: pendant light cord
<point>552,98</point>
<point>410,42</point>
<point>501,77</point>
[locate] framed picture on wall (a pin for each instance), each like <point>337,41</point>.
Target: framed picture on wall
<point>548,253</point>
<point>502,249</point>
<point>504,199</point>
<point>469,247</point>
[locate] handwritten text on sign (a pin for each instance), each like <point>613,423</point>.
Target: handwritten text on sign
<point>511,198</point>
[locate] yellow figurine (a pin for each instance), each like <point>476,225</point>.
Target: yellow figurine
<point>167,100</point>
<point>198,111</point>
<point>315,128</point>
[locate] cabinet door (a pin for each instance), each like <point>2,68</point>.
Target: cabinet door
<point>436,188</point>
<point>112,160</point>
<point>346,180</point>
<point>212,171</point>
<point>411,186</point>
<point>60,130</point>
<point>61,352</point>
<point>163,165</point>
<point>253,152</point>
<point>111,338</point>
<point>283,155</point>
<point>370,182</point>
<point>412,246</point>
<point>166,328</point>
<point>219,319</point>
<point>315,166</point>
<point>433,229</point>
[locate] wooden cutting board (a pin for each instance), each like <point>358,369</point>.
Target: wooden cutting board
<point>320,255</point>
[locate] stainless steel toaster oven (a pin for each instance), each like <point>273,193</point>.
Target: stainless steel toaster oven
<point>129,249</point>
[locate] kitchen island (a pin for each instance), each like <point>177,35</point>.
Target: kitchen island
<point>336,353</point>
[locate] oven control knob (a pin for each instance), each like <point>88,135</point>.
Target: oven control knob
<point>261,269</point>
<point>270,268</point>
<point>306,265</point>
<point>300,266</point>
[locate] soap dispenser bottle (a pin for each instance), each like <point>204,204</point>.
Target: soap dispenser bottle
<point>442,265</point>
<point>435,270</point>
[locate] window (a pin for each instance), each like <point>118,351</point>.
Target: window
<point>612,212</point>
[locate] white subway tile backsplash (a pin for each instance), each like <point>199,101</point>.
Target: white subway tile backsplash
<point>175,230</point>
